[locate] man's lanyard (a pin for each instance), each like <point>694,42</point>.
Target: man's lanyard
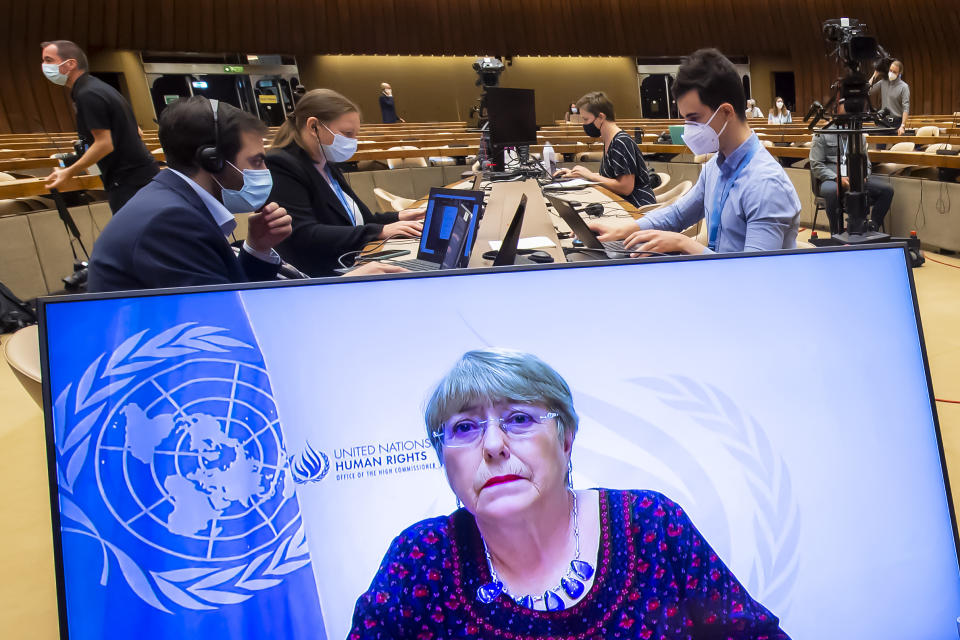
<point>347,204</point>
<point>722,192</point>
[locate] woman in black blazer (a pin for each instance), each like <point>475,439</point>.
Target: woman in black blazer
<point>329,219</point>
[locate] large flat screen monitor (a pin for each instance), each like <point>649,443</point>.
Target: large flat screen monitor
<point>242,461</point>
<point>512,115</point>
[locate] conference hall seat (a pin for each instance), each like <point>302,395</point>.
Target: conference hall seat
<point>894,168</point>
<point>400,163</point>
<point>391,202</point>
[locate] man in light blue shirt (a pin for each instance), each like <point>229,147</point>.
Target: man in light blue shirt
<point>743,193</point>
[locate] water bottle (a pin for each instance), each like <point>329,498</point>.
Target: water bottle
<point>549,159</point>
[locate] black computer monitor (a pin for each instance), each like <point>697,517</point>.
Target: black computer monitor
<point>240,457</point>
<point>512,115</point>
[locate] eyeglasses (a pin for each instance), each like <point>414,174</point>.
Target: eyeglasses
<point>468,431</point>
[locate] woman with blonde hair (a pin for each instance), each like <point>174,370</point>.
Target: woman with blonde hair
<point>329,220</point>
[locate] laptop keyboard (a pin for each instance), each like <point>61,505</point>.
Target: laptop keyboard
<point>416,264</point>
<point>617,246</point>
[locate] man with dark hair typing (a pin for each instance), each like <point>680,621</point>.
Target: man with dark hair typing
<point>743,193</point>
<point>173,232</point>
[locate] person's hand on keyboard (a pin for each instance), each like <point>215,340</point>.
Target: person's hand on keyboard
<point>578,171</point>
<point>375,268</point>
<point>609,230</point>
<point>662,242</point>
<point>404,229</point>
<point>413,214</point>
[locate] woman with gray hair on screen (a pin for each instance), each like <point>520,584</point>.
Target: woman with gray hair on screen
<point>527,554</point>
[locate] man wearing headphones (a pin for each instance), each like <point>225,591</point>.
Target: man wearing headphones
<point>173,232</point>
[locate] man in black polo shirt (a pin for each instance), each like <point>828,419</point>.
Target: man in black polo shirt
<point>105,124</point>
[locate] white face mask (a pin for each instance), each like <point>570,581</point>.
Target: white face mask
<point>52,71</point>
<point>893,75</point>
<point>342,148</point>
<point>779,104</point>
<point>700,137</point>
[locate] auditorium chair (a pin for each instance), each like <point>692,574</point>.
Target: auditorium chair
<point>391,202</point>
<point>929,130</point>
<point>929,173</point>
<point>666,198</point>
<point>399,163</point>
<point>22,353</point>
<point>678,191</point>
<point>371,165</point>
<point>894,168</point>
<point>440,161</point>
<point>664,183</point>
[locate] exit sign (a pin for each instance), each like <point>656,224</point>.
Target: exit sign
<point>232,68</point>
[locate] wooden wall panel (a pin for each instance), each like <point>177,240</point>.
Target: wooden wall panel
<point>922,32</point>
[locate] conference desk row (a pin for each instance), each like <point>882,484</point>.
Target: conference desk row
<point>502,200</point>
<point>28,187</point>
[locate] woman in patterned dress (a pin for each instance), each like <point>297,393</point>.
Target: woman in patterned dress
<point>529,557</point>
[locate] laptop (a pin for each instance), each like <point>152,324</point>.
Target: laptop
<point>613,249</point>
<point>508,247</point>
<point>454,255</point>
<point>438,223</point>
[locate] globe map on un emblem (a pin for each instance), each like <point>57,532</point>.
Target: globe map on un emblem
<point>191,462</point>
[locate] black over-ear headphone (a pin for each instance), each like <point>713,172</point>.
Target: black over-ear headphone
<point>208,157</point>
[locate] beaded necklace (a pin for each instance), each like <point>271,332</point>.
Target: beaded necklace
<point>571,583</point>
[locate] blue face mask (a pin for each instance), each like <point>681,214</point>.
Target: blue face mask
<point>257,185</point>
<point>342,148</point>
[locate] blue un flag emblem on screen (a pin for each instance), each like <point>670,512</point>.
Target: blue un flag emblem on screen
<point>175,488</point>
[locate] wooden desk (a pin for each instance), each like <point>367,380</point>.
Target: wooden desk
<point>29,187</point>
<point>29,163</point>
<point>502,204</point>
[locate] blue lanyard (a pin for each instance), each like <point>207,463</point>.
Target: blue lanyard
<point>340,194</point>
<point>722,192</point>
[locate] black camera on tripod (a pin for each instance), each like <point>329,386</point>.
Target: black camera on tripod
<point>857,51</point>
<point>854,46</point>
<point>488,71</point>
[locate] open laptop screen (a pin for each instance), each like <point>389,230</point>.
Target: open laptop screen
<point>438,221</point>
<point>235,458</point>
<point>455,255</point>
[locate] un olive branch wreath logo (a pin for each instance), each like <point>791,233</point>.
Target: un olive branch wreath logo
<point>81,405</point>
<point>777,521</point>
